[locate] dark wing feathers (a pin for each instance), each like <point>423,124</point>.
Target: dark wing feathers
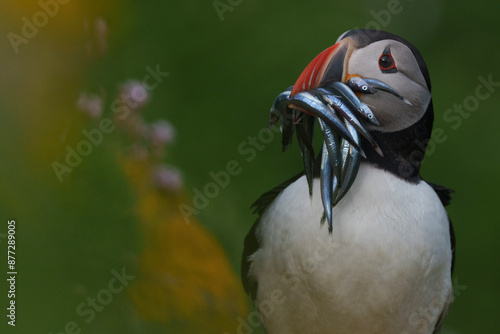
<point>252,242</point>
<point>268,197</point>
<point>250,246</point>
<point>444,195</point>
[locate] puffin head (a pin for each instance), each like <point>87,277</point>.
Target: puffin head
<point>404,124</point>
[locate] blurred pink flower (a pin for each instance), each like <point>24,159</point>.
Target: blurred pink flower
<point>101,33</point>
<point>90,105</point>
<point>167,178</point>
<point>162,132</point>
<point>134,94</point>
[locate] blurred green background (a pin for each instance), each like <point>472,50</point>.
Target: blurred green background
<point>225,68</point>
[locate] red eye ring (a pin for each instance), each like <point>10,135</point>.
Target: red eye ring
<point>386,62</point>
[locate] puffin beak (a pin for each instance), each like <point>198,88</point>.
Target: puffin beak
<point>322,91</point>
<point>320,82</point>
<point>329,66</point>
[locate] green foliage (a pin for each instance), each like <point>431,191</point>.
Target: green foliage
<point>224,75</point>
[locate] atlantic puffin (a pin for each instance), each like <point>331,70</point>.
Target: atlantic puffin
<point>386,265</point>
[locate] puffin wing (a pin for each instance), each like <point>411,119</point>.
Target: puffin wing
<point>252,241</point>
<point>444,195</point>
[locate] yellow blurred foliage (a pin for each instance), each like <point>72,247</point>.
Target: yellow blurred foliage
<point>185,275</point>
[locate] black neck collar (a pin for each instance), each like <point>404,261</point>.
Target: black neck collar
<point>403,150</point>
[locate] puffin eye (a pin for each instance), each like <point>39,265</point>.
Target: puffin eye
<point>386,62</point>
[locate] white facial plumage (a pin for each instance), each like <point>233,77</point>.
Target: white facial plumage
<point>392,113</point>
